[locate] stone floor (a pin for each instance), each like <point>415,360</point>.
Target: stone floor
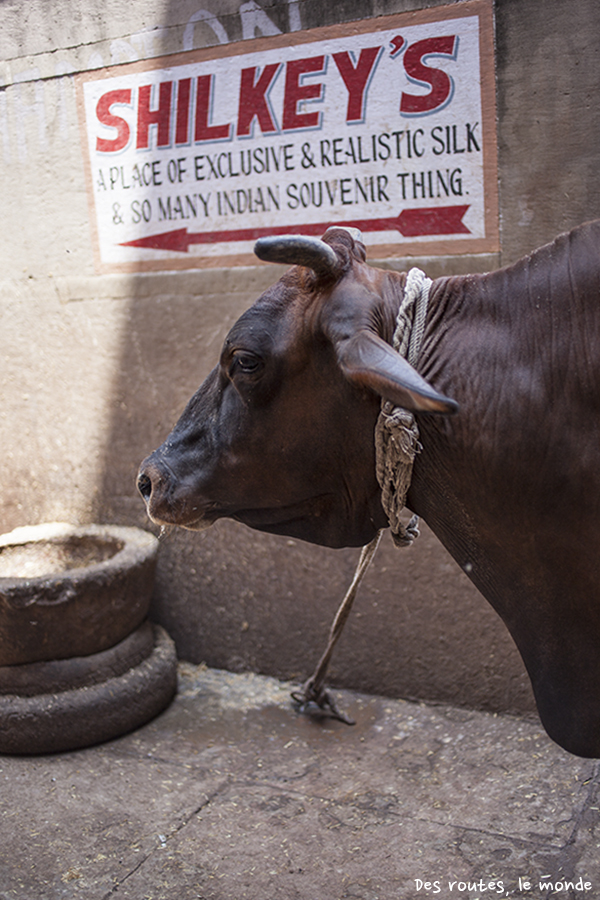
<point>232,795</point>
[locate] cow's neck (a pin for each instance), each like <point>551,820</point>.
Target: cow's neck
<point>467,481</point>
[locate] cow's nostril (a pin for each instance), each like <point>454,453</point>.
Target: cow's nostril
<point>144,486</point>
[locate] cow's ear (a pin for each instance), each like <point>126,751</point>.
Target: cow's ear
<point>367,360</point>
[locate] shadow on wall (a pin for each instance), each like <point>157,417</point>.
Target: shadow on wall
<point>241,600</point>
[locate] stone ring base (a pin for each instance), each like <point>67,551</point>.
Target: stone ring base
<point>50,707</point>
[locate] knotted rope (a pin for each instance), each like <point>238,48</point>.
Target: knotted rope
<point>396,432</point>
<point>396,445</point>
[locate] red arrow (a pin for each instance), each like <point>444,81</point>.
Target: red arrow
<point>435,220</point>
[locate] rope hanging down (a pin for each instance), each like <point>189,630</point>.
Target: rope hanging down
<point>396,445</point>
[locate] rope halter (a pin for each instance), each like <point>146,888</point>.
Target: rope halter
<point>396,431</point>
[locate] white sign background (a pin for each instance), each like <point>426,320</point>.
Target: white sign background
<point>182,174</point>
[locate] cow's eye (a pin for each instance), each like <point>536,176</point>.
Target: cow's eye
<point>247,362</point>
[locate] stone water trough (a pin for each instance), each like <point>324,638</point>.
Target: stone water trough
<point>79,661</point>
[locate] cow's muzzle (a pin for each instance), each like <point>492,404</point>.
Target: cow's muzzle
<point>167,501</point>
<point>158,487</point>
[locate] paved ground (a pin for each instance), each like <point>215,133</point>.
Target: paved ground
<point>231,795</point>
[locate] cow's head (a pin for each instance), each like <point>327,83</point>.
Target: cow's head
<point>280,434</point>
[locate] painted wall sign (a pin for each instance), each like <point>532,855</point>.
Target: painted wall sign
<point>387,125</point>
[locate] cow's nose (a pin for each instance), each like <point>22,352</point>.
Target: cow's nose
<point>144,484</point>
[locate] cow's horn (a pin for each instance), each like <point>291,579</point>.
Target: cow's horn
<point>299,250</point>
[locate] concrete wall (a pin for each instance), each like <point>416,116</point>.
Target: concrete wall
<point>94,370</point>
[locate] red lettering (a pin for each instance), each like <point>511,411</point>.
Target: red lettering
<point>441,84</point>
<point>161,117</point>
<point>106,117</point>
<point>204,131</point>
<point>295,91</point>
<point>253,100</point>
<point>182,127</point>
<point>356,79</point>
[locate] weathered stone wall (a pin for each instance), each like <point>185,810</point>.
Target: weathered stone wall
<point>94,370</point>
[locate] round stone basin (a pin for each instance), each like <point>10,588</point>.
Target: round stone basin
<point>55,555</point>
<point>72,591</point>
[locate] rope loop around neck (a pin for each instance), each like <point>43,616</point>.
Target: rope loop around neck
<point>410,321</point>
<point>396,431</point>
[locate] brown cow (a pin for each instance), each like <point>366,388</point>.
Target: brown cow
<point>280,437</point>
